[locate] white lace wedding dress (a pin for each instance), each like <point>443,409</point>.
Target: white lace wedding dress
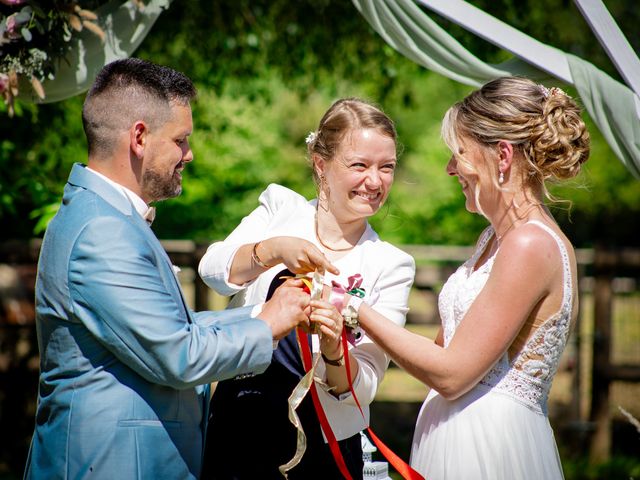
<point>499,429</point>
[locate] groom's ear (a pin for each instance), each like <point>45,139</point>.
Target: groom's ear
<point>138,138</point>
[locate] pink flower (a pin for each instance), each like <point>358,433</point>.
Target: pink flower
<point>12,27</point>
<point>14,24</point>
<point>12,3</point>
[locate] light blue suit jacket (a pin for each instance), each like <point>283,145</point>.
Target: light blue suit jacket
<point>122,358</point>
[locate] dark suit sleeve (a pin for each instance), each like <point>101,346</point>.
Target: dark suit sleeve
<point>126,294</point>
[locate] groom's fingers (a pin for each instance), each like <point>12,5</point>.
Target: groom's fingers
<point>287,308</point>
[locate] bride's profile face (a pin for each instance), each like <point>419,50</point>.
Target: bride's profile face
<point>469,164</point>
<point>462,166</point>
<point>360,176</point>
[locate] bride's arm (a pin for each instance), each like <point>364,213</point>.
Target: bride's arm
<point>522,275</point>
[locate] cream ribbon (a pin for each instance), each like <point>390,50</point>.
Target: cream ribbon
<point>295,399</point>
<point>302,388</point>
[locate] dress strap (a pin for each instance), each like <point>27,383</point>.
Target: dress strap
<point>567,292</point>
<point>485,236</point>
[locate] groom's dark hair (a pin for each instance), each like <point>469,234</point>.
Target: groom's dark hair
<point>129,90</point>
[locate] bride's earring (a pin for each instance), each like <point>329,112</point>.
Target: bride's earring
<point>501,178</point>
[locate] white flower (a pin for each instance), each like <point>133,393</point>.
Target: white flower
<point>310,138</point>
<point>550,92</point>
<point>543,90</point>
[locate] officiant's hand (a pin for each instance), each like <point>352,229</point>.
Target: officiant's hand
<point>286,309</point>
<point>297,254</point>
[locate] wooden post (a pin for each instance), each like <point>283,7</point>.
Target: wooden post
<point>577,340</point>
<point>201,291</point>
<point>600,448</point>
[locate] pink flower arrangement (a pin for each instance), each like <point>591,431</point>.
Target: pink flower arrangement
<point>34,35</point>
<point>4,82</point>
<point>12,27</point>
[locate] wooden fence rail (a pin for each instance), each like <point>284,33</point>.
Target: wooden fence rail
<point>598,270</point>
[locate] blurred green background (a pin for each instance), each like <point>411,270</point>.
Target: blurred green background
<point>266,72</point>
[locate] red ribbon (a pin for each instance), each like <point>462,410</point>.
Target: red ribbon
<point>402,467</point>
<point>396,462</point>
<point>305,349</point>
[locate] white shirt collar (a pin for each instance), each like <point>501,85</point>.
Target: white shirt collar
<point>138,203</point>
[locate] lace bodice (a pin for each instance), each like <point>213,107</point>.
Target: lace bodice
<point>527,377</point>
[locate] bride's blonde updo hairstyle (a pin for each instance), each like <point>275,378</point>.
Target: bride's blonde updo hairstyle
<point>545,124</point>
<point>344,116</point>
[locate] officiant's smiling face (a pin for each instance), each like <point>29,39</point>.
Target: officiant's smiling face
<point>167,150</point>
<point>360,177</point>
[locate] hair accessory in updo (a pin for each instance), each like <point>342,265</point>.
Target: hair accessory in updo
<point>544,90</point>
<point>310,138</point>
<point>556,91</point>
<point>547,92</point>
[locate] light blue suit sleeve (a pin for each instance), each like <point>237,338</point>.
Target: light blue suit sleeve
<point>126,294</point>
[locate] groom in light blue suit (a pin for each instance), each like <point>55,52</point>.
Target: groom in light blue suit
<point>123,360</point>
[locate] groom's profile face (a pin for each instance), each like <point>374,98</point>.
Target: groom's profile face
<point>166,152</point>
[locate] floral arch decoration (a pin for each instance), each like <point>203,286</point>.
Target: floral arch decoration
<point>50,51</point>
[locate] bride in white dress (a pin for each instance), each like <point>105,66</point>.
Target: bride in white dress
<point>506,313</point>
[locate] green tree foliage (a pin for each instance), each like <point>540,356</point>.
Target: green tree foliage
<point>266,71</point>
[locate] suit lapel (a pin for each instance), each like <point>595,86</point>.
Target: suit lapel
<point>80,177</point>
<point>160,252</point>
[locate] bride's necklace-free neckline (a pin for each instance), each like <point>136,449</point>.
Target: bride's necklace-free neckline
<point>501,236</point>
<point>524,214</point>
<point>333,249</point>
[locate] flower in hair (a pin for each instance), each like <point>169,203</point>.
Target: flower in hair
<point>547,92</point>
<point>310,138</point>
<point>544,90</point>
<point>556,91</point>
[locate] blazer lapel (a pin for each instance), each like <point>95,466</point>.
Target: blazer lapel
<point>80,177</point>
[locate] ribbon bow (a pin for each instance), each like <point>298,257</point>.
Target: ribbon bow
<point>353,286</point>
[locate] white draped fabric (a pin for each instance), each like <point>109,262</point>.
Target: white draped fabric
<point>614,107</point>
<point>125,26</point>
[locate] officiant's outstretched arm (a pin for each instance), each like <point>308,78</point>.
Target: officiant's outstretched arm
<point>122,358</point>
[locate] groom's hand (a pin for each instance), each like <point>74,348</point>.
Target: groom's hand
<point>286,309</point>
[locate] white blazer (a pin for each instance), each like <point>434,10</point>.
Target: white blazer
<point>387,274</point>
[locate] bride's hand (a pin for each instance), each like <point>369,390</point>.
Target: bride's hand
<point>330,323</point>
<point>297,254</point>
